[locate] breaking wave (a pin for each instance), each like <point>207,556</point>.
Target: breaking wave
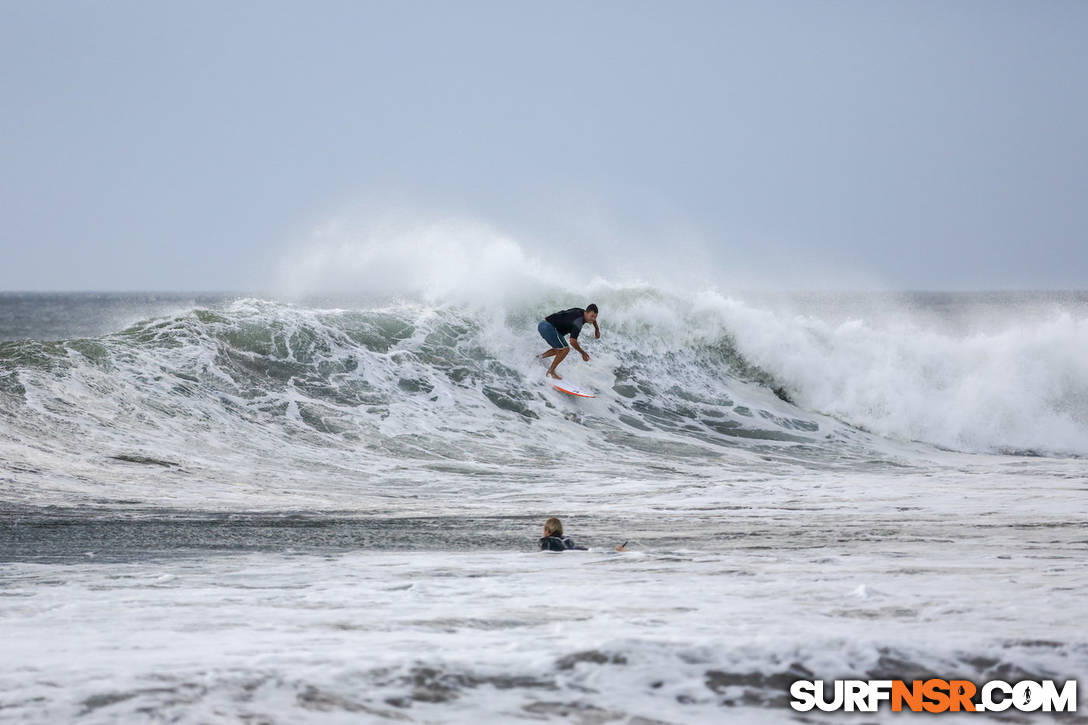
<point>256,391</point>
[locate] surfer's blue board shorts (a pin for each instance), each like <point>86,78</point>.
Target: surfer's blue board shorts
<point>551,335</point>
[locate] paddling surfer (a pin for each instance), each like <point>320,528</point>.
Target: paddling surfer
<point>553,539</point>
<point>554,327</point>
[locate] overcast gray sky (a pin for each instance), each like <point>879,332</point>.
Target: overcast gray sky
<point>187,145</point>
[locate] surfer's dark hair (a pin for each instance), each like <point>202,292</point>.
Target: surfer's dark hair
<point>591,307</point>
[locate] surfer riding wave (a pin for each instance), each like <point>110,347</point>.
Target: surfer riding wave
<point>556,326</point>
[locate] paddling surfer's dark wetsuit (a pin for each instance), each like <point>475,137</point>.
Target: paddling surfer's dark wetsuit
<point>559,543</point>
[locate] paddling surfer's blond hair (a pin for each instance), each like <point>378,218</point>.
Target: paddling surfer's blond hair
<point>554,527</point>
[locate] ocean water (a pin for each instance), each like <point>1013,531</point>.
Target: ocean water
<point>222,508</point>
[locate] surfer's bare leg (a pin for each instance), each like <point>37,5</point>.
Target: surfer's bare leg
<point>559,355</point>
<point>550,352</point>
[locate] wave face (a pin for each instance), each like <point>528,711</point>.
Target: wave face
<point>259,394</point>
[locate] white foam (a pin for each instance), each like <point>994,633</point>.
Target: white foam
<point>1019,385</point>
<point>489,636</point>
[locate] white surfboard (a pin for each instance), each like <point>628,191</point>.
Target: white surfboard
<point>571,389</point>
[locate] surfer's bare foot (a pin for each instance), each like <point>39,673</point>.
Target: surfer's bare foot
<point>550,374</point>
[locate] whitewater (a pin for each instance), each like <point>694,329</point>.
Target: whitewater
<point>262,508</point>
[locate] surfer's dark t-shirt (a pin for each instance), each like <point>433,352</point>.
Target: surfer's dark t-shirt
<point>568,322</point>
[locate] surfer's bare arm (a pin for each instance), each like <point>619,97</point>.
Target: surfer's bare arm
<point>596,330</point>
<point>576,346</point>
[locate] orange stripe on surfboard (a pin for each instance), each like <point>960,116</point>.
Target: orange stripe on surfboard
<point>577,392</point>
